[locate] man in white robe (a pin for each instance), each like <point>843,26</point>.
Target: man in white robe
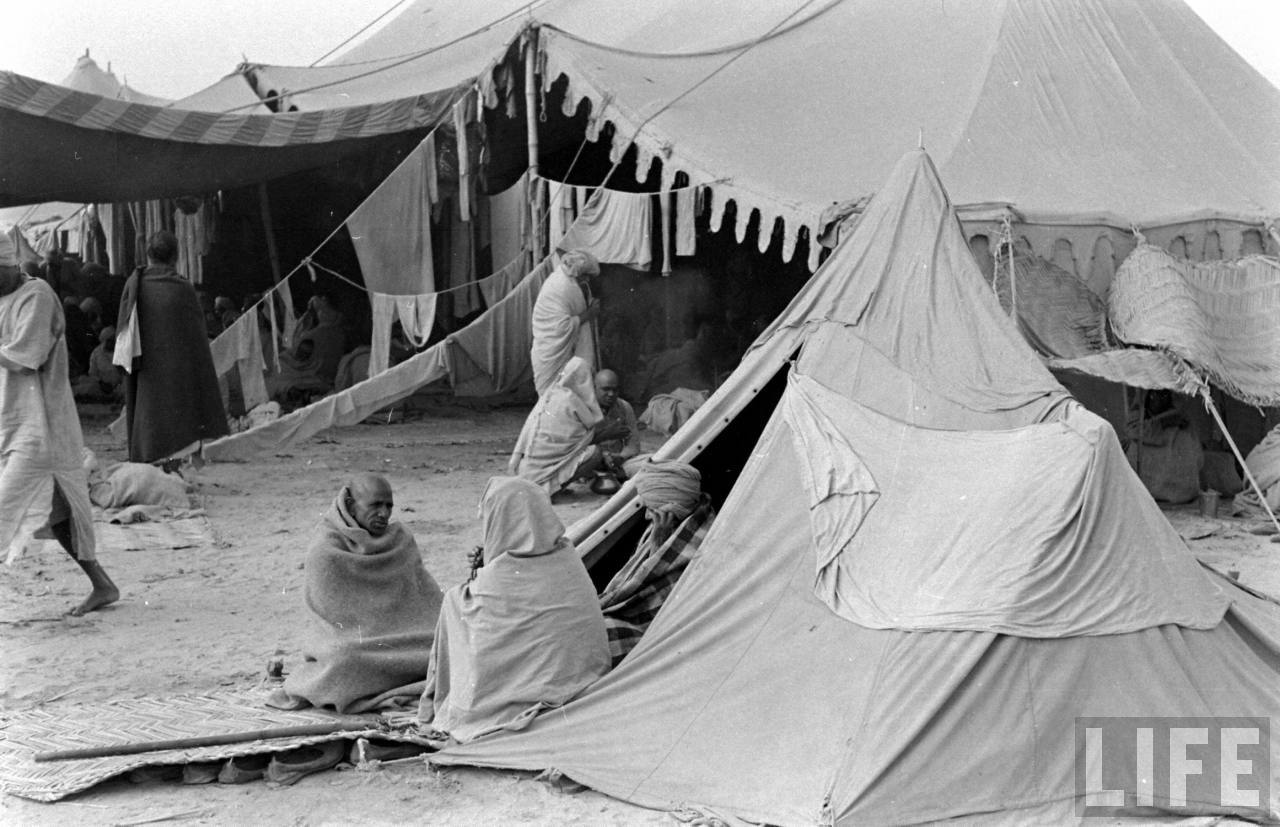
<point>42,481</point>
<point>562,319</point>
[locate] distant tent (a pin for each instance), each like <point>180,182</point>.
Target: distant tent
<point>901,611</point>
<point>88,76</point>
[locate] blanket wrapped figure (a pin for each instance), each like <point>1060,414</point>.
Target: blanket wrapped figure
<point>679,516</point>
<point>172,399</point>
<point>558,441</point>
<point>562,319</point>
<point>373,608</point>
<point>526,634</point>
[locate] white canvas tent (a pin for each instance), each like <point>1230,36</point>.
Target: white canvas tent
<point>901,612</point>
<point>1072,119</point>
<point>1077,119</point>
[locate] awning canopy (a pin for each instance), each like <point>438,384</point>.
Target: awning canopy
<point>64,145</point>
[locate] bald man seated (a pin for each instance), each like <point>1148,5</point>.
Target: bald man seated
<point>372,609</point>
<point>618,455</point>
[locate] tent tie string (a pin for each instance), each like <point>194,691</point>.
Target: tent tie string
<point>1235,449</point>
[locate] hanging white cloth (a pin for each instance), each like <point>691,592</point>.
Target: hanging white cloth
<point>494,287</point>
<point>391,231</point>
<point>563,200</point>
<point>417,317</point>
<point>461,113</point>
<point>240,346</point>
<point>128,343</point>
<point>430,169</point>
<point>615,227</point>
<point>686,212</point>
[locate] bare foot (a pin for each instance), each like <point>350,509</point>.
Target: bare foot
<point>99,597</point>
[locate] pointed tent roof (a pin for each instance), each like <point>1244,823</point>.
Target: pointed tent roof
<point>872,632</point>
<point>88,76</point>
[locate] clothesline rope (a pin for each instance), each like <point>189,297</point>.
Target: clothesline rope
<point>409,58</point>
<point>718,50</point>
<point>348,280</point>
<point>475,86</point>
<point>397,4</point>
<point>308,259</point>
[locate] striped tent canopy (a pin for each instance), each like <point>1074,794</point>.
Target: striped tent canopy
<point>65,145</point>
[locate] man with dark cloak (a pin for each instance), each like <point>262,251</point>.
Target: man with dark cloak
<point>172,399</point>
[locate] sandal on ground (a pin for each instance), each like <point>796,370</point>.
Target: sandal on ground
<point>244,768</point>
<point>201,772</point>
<point>291,766</point>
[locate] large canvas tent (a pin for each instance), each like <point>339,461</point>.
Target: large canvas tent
<point>1072,120</point>
<point>1084,116</point>
<point>1063,113</point>
<point>1063,123</point>
<point>901,611</point>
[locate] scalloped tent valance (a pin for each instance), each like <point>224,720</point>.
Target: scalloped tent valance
<point>1061,112</point>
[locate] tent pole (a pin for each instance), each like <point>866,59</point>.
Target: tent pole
<point>1142,429</point>
<point>273,254</point>
<point>1222,426</point>
<point>1013,277</point>
<point>531,129</point>
<point>668,205</point>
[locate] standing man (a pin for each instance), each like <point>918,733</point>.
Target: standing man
<point>562,318</point>
<point>172,400</point>
<point>41,446</point>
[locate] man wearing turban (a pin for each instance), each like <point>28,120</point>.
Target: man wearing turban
<point>679,516</point>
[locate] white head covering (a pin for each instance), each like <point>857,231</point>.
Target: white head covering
<point>577,378</point>
<point>577,263</point>
<point>518,519</point>
<point>670,487</point>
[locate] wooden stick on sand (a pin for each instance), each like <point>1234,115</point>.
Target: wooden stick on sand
<point>205,740</point>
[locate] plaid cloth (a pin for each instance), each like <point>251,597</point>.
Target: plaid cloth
<point>636,593</point>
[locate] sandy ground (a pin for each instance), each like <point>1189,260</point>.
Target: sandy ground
<point>202,619</point>
<point>205,619</point>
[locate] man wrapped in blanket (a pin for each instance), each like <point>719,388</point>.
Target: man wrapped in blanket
<point>679,516</point>
<point>525,634</point>
<point>563,318</point>
<point>373,609</point>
